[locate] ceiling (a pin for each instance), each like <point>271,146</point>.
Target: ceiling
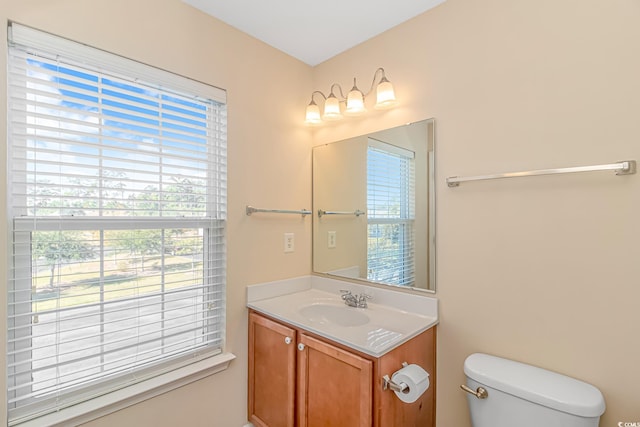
<point>313,31</point>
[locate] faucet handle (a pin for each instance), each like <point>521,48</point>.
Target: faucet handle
<point>362,300</point>
<point>345,293</point>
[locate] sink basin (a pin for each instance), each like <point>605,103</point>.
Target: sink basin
<point>339,315</point>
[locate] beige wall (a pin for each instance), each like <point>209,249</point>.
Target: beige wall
<point>340,184</point>
<point>543,270</point>
<point>269,164</point>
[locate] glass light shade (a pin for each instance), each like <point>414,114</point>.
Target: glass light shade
<point>332,108</point>
<point>385,96</point>
<point>313,114</point>
<point>355,103</point>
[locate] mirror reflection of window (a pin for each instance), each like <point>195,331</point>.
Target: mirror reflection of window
<point>400,216</point>
<point>390,213</point>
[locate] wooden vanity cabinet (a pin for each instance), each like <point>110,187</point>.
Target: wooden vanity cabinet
<point>309,381</point>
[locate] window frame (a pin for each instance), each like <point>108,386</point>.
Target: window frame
<point>173,373</point>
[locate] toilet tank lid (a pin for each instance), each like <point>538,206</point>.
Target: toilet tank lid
<point>535,384</point>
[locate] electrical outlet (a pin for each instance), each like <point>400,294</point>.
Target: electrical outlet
<point>289,244</point>
<point>331,239</point>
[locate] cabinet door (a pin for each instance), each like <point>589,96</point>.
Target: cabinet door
<point>272,371</point>
<point>334,386</point>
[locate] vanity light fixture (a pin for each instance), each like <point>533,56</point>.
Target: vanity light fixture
<point>353,102</point>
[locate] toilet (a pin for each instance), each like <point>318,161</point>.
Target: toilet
<point>508,393</point>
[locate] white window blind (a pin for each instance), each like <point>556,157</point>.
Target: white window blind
<point>117,187</point>
<point>390,214</point>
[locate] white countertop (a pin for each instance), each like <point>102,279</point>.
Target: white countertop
<point>394,316</point>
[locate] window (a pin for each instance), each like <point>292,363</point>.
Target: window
<point>390,214</point>
<point>117,186</point>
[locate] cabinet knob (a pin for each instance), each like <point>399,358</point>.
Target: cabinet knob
<point>287,340</point>
<point>300,346</point>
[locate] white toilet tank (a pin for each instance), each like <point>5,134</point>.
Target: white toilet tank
<point>526,396</point>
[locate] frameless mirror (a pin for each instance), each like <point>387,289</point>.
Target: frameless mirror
<point>374,207</point>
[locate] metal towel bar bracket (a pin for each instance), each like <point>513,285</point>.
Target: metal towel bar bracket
<point>626,167</point>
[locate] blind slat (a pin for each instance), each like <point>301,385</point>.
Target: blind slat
<point>25,38</point>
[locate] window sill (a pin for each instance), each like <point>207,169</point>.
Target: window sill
<point>128,396</point>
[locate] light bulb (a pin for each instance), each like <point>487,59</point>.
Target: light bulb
<point>332,108</point>
<point>313,114</point>
<point>355,102</point>
<point>385,96</point>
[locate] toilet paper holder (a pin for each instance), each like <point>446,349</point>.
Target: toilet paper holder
<point>387,383</point>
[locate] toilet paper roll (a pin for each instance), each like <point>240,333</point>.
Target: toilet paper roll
<point>417,380</point>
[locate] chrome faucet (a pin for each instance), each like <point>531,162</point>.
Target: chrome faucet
<point>359,301</point>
